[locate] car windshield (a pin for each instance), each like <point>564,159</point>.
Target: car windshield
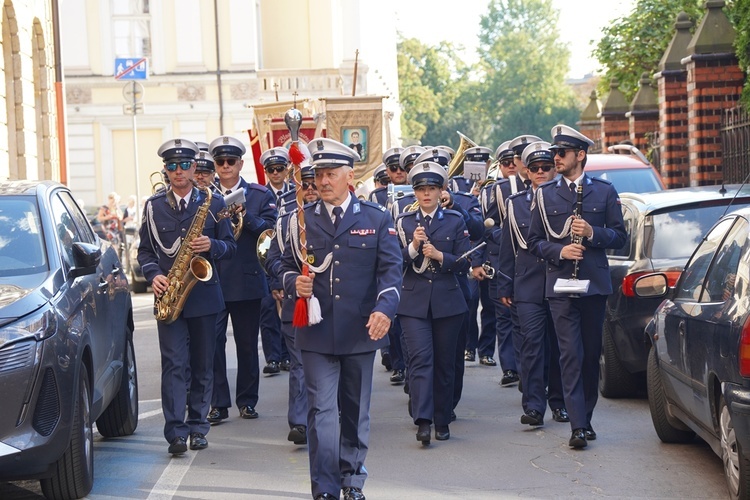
<point>629,180</point>
<point>676,233</point>
<point>21,243</point>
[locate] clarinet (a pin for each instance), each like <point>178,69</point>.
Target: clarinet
<point>577,213</point>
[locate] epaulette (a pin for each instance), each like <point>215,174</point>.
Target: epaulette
<point>216,194</point>
<point>461,193</point>
<point>257,187</point>
<point>448,211</point>
<point>407,214</point>
<point>516,195</point>
<point>372,204</point>
<point>159,194</point>
<point>553,182</point>
<point>604,181</point>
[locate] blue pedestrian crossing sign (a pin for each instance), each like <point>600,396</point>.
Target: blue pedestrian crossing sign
<point>131,68</point>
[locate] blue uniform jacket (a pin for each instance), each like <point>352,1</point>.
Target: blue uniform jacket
<point>364,276</point>
<point>437,290</point>
<point>243,278</point>
<point>273,264</point>
<point>493,199</point>
<point>601,209</point>
<point>379,195</point>
<point>527,272</point>
<point>163,222</point>
<point>465,204</point>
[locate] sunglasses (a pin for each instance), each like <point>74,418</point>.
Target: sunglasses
<point>506,163</point>
<point>561,152</point>
<point>396,168</point>
<point>278,169</point>
<point>229,161</point>
<point>172,165</point>
<point>544,168</point>
<point>307,185</point>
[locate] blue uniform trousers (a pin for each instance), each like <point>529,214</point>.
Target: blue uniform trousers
<point>579,323</point>
<point>337,452</point>
<point>432,346</point>
<point>470,292</point>
<point>297,409</point>
<point>489,334</point>
<point>470,329</point>
<point>506,350</point>
<point>245,316</point>
<point>274,348</point>
<point>186,342</point>
<point>394,348</point>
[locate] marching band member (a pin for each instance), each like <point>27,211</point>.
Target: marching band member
<point>205,170</point>
<point>379,195</point>
<point>353,255</point>
<point>521,284</point>
<point>432,305</point>
<point>553,236</point>
<point>186,344</point>
<point>243,283</point>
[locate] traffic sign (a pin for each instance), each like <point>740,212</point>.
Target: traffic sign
<point>130,109</point>
<point>133,92</point>
<point>131,68</point>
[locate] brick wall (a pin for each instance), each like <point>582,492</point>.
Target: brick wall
<point>673,128</point>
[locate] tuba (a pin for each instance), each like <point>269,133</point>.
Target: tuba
<point>456,166</point>
<point>186,270</point>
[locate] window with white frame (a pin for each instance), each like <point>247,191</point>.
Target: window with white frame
<point>131,28</point>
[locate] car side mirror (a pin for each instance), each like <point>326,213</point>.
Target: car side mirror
<point>651,286</point>
<point>86,258</point>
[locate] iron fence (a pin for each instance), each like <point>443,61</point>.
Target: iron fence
<point>735,144</point>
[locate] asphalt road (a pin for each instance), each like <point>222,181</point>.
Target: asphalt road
<point>489,455</point>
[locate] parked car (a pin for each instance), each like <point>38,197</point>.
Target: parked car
<point>626,168</point>
<point>138,281</point>
<point>699,362</point>
<point>66,340</point>
<point>663,228</point>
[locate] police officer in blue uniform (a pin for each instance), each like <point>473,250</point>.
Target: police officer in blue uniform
<point>244,284</point>
<point>379,195</point>
<point>297,407</point>
<point>205,170</point>
<point>355,274</point>
<point>432,307</point>
<point>563,240</point>
<point>187,344</point>
<point>521,286</point>
<point>275,163</point>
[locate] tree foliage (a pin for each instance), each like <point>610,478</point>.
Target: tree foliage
<point>634,44</point>
<point>524,66</point>
<point>740,17</point>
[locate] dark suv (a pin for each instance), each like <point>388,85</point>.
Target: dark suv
<point>663,230</point>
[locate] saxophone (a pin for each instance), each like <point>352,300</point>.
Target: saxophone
<point>186,270</point>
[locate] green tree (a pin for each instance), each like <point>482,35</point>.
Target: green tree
<point>433,87</point>
<point>634,44</point>
<point>524,65</point>
<point>740,17</point>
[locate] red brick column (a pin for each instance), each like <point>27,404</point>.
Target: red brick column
<point>590,124</point>
<point>644,115</point>
<point>673,128</point>
<point>714,83</point>
<point>615,125</point>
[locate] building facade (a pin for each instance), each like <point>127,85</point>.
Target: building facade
<point>209,62</point>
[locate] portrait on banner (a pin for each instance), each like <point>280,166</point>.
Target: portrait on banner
<point>356,138</point>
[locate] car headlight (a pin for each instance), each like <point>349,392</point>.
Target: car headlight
<point>40,325</point>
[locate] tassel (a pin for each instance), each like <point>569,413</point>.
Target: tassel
<point>296,156</point>
<point>313,310</point>
<point>300,318</point>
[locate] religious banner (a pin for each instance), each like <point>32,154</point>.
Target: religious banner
<point>358,123</point>
<point>265,114</point>
<point>280,137</point>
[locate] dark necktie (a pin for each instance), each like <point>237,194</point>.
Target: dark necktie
<point>573,187</point>
<point>228,191</point>
<point>338,212</point>
<point>527,183</point>
<point>427,220</point>
<point>183,205</point>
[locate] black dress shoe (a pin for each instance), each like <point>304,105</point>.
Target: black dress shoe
<point>216,415</point>
<point>560,415</point>
<point>442,433</point>
<point>397,377</point>
<point>532,417</point>
<point>285,365</point>
<point>272,368</point>
<point>297,434</point>
<point>385,360</point>
<point>453,416</point>
<point>177,446</point>
<point>198,441</point>
<point>590,434</point>
<point>248,412</point>
<point>469,355</point>
<point>487,361</point>
<point>509,378</point>
<point>353,493</point>
<point>578,439</point>
<point>424,432</point>
<point>324,496</point>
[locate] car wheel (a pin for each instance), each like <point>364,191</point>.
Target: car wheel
<point>137,286</point>
<point>614,380</point>
<point>73,473</point>
<point>667,428</point>
<point>121,416</point>
<point>736,465</point>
